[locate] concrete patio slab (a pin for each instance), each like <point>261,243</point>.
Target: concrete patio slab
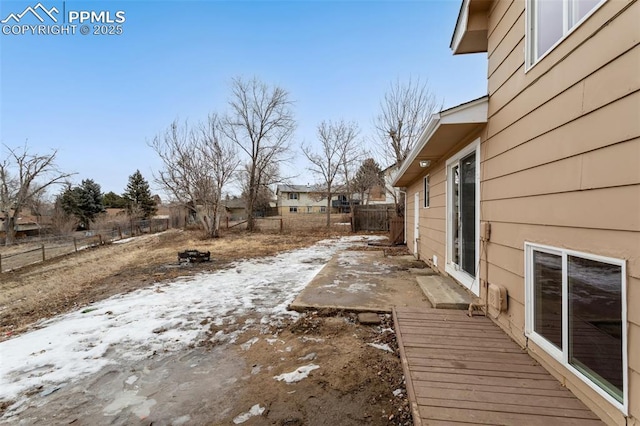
<point>363,281</point>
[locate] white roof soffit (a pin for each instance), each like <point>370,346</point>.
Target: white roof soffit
<point>469,113</point>
<point>470,33</point>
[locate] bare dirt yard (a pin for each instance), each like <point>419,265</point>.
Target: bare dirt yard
<point>122,334</point>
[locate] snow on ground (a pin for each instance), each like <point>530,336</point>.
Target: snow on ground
<point>124,241</point>
<point>256,410</point>
<point>298,374</point>
<point>383,347</point>
<point>164,317</point>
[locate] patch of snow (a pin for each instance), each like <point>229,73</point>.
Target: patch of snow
<point>159,319</point>
<point>383,347</point>
<point>297,375</point>
<point>246,345</point>
<point>256,410</point>
<point>182,420</point>
<point>309,357</point>
<point>129,398</point>
<point>350,258</point>
<point>360,287</point>
<point>306,339</point>
<point>397,392</point>
<point>124,240</point>
<point>131,380</point>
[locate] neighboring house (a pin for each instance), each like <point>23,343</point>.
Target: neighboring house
<point>377,194</point>
<point>535,188</point>
<point>28,225</point>
<point>236,208</point>
<point>392,194</point>
<point>301,199</point>
<point>295,199</point>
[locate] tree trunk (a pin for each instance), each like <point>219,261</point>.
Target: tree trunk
<point>328,206</point>
<point>250,220</point>
<point>9,229</point>
<point>329,210</point>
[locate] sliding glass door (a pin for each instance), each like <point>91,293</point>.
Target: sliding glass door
<point>462,216</point>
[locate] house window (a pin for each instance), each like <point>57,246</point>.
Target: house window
<point>323,209</point>
<point>293,195</point>
<point>293,210</point>
<point>309,209</point>
<point>575,310</point>
<point>426,191</point>
<point>549,21</point>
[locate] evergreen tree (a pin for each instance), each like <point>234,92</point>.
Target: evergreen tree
<point>114,201</point>
<point>83,201</point>
<point>369,176</point>
<point>140,202</point>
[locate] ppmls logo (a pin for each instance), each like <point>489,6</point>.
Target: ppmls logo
<point>16,17</point>
<point>40,20</point>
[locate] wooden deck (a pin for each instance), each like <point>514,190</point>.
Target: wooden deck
<point>466,370</point>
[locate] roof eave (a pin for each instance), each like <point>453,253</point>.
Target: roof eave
<point>472,112</point>
<point>471,30</point>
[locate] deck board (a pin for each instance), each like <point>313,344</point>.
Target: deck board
<point>465,370</point>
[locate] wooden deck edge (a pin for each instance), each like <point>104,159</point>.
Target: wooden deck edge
<point>411,394</point>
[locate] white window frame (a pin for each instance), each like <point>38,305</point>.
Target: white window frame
<point>426,189</point>
<point>562,355</point>
<point>293,196</point>
<point>323,209</point>
<point>567,28</point>
<point>471,282</point>
<point>293,209</point>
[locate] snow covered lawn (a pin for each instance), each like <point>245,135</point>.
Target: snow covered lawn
<point>165,317</point>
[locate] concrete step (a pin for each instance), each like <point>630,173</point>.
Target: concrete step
<point>444,292</point>
<point>422,271</point>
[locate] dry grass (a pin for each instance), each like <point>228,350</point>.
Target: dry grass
<point>60,285</point>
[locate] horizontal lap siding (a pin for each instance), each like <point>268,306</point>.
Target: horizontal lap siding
<point>432,219</point>
<point>561,160</point>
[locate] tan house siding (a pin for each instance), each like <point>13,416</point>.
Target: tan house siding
<point>432,225</point>
<point>559,165</point>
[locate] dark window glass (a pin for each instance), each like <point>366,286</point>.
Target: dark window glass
<point>468,213</point>
<point>595,322</point>
<point>547,289</point>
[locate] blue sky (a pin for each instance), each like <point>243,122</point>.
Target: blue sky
<point>98,99</point>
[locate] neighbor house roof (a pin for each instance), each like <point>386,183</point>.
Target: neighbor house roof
<point>295,188</point>
<point>235,203</point>
<point>444,130</point>
<point>471,32</point>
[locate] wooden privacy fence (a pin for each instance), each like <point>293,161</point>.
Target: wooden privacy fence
<point>373,217</point>
<point>396,230</point>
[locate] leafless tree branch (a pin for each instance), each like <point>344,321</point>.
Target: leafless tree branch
<point>23,178</point>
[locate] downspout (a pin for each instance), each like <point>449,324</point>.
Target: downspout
<point>405,215</point>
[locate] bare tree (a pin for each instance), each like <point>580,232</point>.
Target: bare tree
<point>404,114</point>
<point>197,163</point>
<point>261,124</point>
<point>218,152</point>
<point>348,168</point>
<point>24,177</point>
<point>270,174</point>
<point>337,140</point>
